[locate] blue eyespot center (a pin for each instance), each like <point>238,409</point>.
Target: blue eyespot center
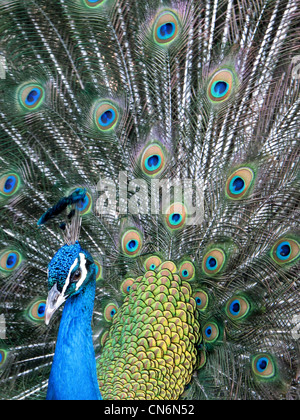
<point>33,97</point>
<point>113,313</point>
<point>208,332</point>
<point>11,261</point>
<point>132,245</point>
<point>237,185</point>
<point>128,289</point>
<point>153,162</point>
<point>219,89</point>
<point>166,31</point>
<point>235,308</point>
<point>198,301</point>
<point>211,263</point>
<point>262,364</point>
<point>107,118</point>
<point>1,358</point>
<point>10,184</point>
<point>152,267</point>
<point>284,251</point>
<point>175,219</point>
<point>185,273</point>
<point>82,204</point>
<point>41,310</point>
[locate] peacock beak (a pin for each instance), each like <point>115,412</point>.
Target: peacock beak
<point>54,301</point>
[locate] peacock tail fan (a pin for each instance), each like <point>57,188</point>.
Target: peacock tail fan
<point>167,132</point>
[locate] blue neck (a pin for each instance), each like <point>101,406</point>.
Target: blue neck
<point>73,375</point>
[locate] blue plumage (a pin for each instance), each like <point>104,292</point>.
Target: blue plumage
<point>76,197</point>
<point>72,278</point>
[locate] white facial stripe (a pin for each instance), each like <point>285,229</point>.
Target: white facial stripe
<point>83,271</point>
<point>69,276</point>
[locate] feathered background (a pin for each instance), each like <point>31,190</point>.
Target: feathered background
<point>66,62</point>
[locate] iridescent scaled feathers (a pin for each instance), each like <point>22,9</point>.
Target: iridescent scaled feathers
<point>151,345</point>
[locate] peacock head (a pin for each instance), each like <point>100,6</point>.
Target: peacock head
<point>69,272</point>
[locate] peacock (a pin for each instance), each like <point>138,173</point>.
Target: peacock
<point>149,199</point>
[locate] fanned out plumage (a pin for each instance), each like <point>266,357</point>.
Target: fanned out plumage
<point>155,91</point>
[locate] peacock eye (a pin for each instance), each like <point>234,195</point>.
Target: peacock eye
<point>153,160</point>
<point>263,366</point>
<point>10,260</point>
<point>110,311</point>
<point>220,86</point>
<point>3,357</point>
<point>106,116</point>
<point>166,28</point>
<point>187,271</point>
<point>237,308</point>
<point>201,299</point>
<point>176,216</point>
<point>239,183</point>
<point>285,251</point>
<point>85,205</point>
<point>9,184</point>
<point>126,286</point>
<point>213,262</point>
<point>211,332</point>
<point>98,270</point>
<point>37,310</point>
<point>32,97</point>
<point>76,276</point>
<point>132,243</point>
<point>152,263</point>
<point>93,3</point>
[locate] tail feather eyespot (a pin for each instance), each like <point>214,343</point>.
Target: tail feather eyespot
<point>32,97</point>
<point>36,311</point>
<point>3,357</point>
<point>106,116</point>
<point>187,271</point>
<point>85,205</point>
<point>263,366</point>
<point>110,311</point>
<point>239,183</point>
<point>285,251</point>
<point>132,243</point>
<point>126,286</point>
<point>176,216</point>
<point>237,308</point>
<point>211,332</point>
<point>93,3</point>
<point>10,260</point>
<point>201,298</point>
<point>221,86</point>
<point>152,263</point>
<point>9,184</point>
<point>213,262</point>
<point>99,270</point>
<point>153,160</point>
<point>166,28</point>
